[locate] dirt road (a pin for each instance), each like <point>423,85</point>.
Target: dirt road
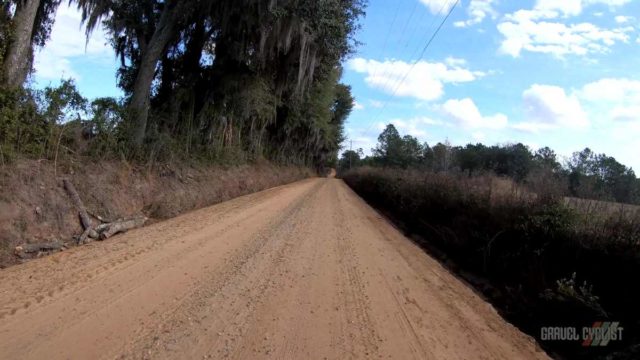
<point>306,270</point>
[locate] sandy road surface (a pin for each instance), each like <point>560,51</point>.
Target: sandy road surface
<point>306,270</point>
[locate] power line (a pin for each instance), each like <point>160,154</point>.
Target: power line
<point>406,44</point>
<point>386,39</point>
<point>442,10</point>
<point>389,79</point>
<point>413,55</point>
<point>424,50</point>
<point>406,25</point>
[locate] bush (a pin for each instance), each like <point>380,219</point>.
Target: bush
<point>524,247</point>
<point>22,130</point>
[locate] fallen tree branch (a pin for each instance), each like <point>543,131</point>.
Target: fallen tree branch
<point>102,231</point>
<point>100,218</point>
<point>86,235</point>
<point>85,220</point>
<point>82,211</point>
<point>33,248</point>
<point>108,230</point>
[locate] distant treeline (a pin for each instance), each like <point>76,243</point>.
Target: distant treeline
<point>239,79</point>
<point>586,174</point>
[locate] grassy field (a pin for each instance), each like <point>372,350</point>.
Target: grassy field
<point>598,208</point>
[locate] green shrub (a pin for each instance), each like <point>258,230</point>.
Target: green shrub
<point>22,129</point>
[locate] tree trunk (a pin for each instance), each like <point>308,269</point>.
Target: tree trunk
<point>140,99</point>
<point>108,230</point>
<point>19,59</point>
<point>85,220</point>
<point>75,197</point>
<point>32,248</point>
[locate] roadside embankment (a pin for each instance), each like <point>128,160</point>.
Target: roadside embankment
<point>35,208</point>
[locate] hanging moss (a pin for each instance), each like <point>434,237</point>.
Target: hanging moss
<point>255,75</point>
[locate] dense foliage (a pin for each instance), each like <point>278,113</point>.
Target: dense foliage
<point>585,175</point>
<point>213,79</point>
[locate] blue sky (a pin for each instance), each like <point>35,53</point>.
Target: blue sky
<point>555,73</point>
<point>562,74</point>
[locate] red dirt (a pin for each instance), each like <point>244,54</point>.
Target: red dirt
<point>306,270</point>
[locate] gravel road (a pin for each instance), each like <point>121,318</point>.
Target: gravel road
<point>303,271</point>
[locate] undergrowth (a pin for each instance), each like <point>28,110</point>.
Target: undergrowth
<point>540,262</point>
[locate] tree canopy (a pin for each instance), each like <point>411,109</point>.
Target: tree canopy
<point>250,77</point>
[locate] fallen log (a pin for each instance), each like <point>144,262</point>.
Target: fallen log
<point>82,211</point>
<point>102,227</point>
<point>100,218</point>
<point>108,230</point>
<point>101,231</point>
<point>86,235</point>
<point>85,220</point>
<point>33,248</point>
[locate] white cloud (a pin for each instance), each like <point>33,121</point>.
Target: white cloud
<point>626,113</point>
<point>566,7</point>
<point>438,6</point>
<point>424,81</point>
<point>415,126</point>
<point>357,106</point>
<point>618,97</point>
<point>550,107</point>
<point>610,3</point>
<point>575,7</point>
<point>68,42</point>
<point>615,103</point>
<point>611,102</point>
<point>455,62</point>
<point>466,114</point>
<point>623,19</point>
<point>624,90</point>
<point>478,10</point>
<point>522,32</point>
<point>538,30</point>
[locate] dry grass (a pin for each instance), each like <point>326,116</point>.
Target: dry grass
<point>518,248</point>
<point>596,208</point>
<point>34,207</point>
